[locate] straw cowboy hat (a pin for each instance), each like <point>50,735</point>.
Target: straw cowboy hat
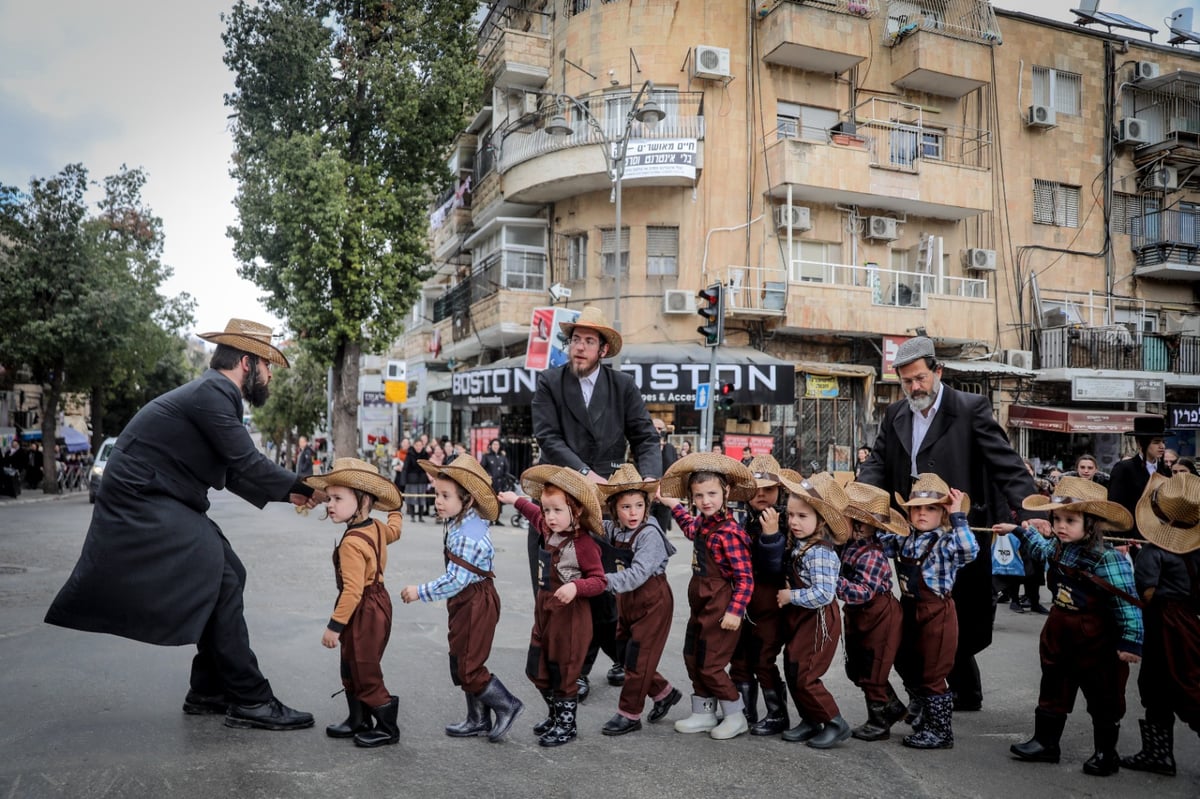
<point>470,474</point>
<point>825,495</point>
<point>742,485</point>
<point>592,317</point>
<point>871,505</point>
<point>1082,496</point>
<point>353,473</point>
<point>536,478</point>
<point>626,478</point>
<point>1168,514</point>
<point>247,336</point>
<point>929,489</point>
<point>765,470</point>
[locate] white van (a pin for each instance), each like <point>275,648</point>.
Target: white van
<point>102,456</point>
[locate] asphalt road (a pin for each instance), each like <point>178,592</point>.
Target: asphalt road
<point>96,716</point>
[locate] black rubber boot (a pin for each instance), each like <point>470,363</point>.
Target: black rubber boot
<point>776,719</point>
<point>914,711</point>
<point>894,710</point>
<point>543,726</point>
<point>802,732</point>
<point>585,688</point>
<point>358,721</point>
<point>564,729</point>
<point>478,721</point>
<point>387,730</point>
<point>496,697</point>
<point>1105,761</point>
<point>1158,749</point>
<point>749,693</point>
<point>833,733</point>
<point>1043,746</point>
<point>876,727</point>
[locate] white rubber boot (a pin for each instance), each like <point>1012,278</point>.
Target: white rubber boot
<point>703,718</point>
<point>735,722</point>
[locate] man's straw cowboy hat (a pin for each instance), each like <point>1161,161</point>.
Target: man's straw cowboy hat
<point>592,317</point>
<point>247,336</point>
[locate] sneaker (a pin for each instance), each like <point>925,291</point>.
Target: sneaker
<point>271,715</point>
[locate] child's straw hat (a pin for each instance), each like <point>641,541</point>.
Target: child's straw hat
<point>825,495</point>
<point>1168,514</point>
<point>468,473</point>
<point>355,473</point>
<point>765,470</point>
<point>742,485</point>
<point>536,478</point>
<point>1082,496</point>
<point>929,489</point>
<point>626,478</point>
<point>871,505</point>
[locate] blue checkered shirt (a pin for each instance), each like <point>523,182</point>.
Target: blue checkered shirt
<point>470,541</point>
<point>819,567</point>
<point>949,550</point>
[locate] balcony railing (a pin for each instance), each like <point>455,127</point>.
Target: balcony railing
<point>899,138</point>
<point>527,139</point>
<point>1116,347</point>
<point>513,270</point>
<point>857,8</point>
<point>889,287</point>
<point>972,20</point>
<point>1163,236</point>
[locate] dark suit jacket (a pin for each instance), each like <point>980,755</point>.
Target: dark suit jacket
<point>574,435</point>
<point>967,448</point>
<point>1127,481</point>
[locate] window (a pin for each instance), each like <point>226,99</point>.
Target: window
<point>933,143</point>
<point>812,261</point>
<point>512,257</point>
<point>577,257</point>
<point>608,248</point>
<point>1059,90</point>
<point>1125,208</point>
<point>1055,204</point>
<point>662,251</point>
<point>805,122</point>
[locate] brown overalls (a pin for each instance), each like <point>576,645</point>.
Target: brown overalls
<point>811,642</point>
<point>561,633</point>
<point>474,613</point>
<point>872,637</point>
<point>707,649</point>
<point>928,631</point>
<point>1169,679</point>
<point>643,623</point>
<point>763,630</point>
<point>366,634</point>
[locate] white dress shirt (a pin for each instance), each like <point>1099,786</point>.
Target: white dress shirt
<point>921,424</point>
<point>587,385</point>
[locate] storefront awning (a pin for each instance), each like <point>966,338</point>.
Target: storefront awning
<point>1072,420</point>
<point>986,368</point>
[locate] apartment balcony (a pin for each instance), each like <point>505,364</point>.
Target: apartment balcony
<point>1118,348</point>
<point>1166,245</point>
<point>450,221</point>
<point>942,47</point>
<point>751,291</point>
<point>540,168</point>
<point>512,58</point>
<point>491,307</point>
<point>817,35</point>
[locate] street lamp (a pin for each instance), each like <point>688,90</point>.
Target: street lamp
<point>614,158</point>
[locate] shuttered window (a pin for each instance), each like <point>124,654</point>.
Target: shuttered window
<point>608,248</point>
<point>795,121</point>
<point>1125,208</point>
<point>1055,204</point>
<point>662,251</point>
<point>577,257</point>
<point>1057,89</point>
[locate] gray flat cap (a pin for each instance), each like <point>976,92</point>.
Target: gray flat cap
<point>914,349</point>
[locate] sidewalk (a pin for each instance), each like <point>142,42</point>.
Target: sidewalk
<point>29,495</point>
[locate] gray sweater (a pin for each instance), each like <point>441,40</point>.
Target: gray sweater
<point>650,553</point>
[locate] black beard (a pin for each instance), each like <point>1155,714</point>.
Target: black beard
<point>253,391</point>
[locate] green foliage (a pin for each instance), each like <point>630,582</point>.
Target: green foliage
<point>297,402</point>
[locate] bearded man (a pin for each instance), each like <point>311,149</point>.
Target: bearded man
<point>154,566</point>
<point>954,435</point>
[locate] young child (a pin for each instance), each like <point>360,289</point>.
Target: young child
<point>463,499</point>
<point>760,641</point>
<point>644,600</point>
<point>811,618</point>
<point>1167,574</point>
<point>927,563</point>
<point>568,569</point>
<point>1094,630</point>
<point>871,615</point>
<point>721,585</point>
<point>362,617</point>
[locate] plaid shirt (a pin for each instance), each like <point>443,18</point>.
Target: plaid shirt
<point>470,541</point>
<point>819,567</point>
<point>948,551</point>
<point>866,573</point>
<point>730,549</point>
<point>1111,566</point>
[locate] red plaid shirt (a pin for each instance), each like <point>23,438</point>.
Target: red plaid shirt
<point>866,573</point>
<point>729,546</point>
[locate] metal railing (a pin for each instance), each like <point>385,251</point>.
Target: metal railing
<point>857,8</point>
<point>898,138</point>
<point>1117,347</point>
<point>889,287</point>
<point>972,20</point>
<point>526,271</point>
<point>1090,308</point>
<point>1165,227</point>
<point>753,288</point>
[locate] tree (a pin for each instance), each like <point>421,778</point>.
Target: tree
<point>297,402</point>
<point>343,110</point>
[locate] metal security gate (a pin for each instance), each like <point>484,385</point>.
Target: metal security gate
<point>820,424</point>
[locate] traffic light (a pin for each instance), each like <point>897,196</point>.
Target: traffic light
<point>712,310</point>
<point>725,395</point>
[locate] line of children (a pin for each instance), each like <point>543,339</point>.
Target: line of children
<point>569,568</point>
<point>721,585</point>
<point>362,616</point>
<point>1094,630</point>
<point>464,500</point>
<point>645,603</point>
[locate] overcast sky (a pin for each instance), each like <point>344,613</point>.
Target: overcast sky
<point>140,82</point>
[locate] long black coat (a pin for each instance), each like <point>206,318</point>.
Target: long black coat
<point>967,448</point>
<point>1126,483</point>
<point>152,560</point>
<point>575,435</point>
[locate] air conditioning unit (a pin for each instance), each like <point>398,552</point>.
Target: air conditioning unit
<point>799,218</point>
<point>1145,70</point>
<point>1019,359</point>
<point>1040,116</point>
<point>981,260</point>
<point>883,228</point>
<point>679,301</point>
<point>1163,178</point>
<point>1132,130</point>
<point>529,103</point>
<point>711,63</point>
<point>1182,323</point>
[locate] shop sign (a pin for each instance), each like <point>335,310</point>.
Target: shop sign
<point>820,387</point>
<point>890,345</point>
<point>735,445</point>
<point>1118,389</point>
<point>1183,417</point>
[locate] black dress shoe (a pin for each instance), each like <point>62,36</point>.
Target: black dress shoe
<point>616,675</point>
<point>195,704</point>
<point>271,715</point>
<point>663,705</point>
<point>619,725</point>
<point>585,688</point>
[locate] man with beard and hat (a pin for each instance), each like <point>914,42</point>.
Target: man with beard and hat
<point>154,566</point>
<point>1127,479</point>
<point>954,435</point>
<point>584,415</point>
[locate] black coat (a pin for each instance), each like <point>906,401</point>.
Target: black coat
<point>575,435</point>
<point>1127,481</point>
<point>152,560</point>
<point>496,465</point>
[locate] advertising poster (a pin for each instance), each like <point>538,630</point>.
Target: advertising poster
<point>547,345</point>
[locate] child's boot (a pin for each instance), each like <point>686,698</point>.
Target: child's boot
<point>776,719</point>
<point>935,724</point>
<point>912,713</point>
<point>895,710</point>
<point>543,726</point>
<point>1105,761</point>
<point>359,720</point>
<point>749,693</point>
<point>564,729</point>
<point>833,733</point>
<point>387,730</point>
<point>876,727</point>
<point>1158,749</point>
<point>496,698</point>
<point>1043,746</point>
<point>735,722</point>
<point>802,732</point>
<point>703,718</point>
<point>478,720</point>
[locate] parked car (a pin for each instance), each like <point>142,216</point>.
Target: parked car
<point>102,456</point>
